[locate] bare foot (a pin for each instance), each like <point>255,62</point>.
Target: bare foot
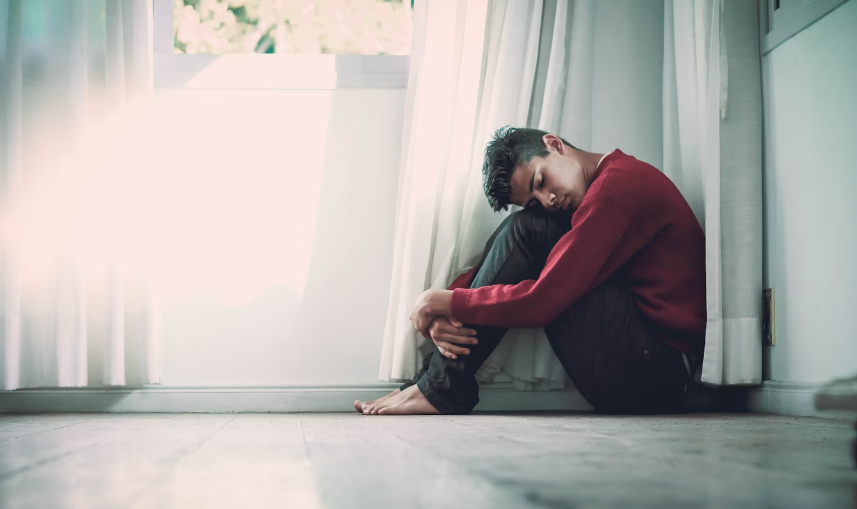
<point>359,405</point>
<point>409,402</point>
<point>372,407</point>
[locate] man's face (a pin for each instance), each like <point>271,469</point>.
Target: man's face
<point>554,182</point>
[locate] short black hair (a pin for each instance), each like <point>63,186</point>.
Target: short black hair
<point>509,148</point>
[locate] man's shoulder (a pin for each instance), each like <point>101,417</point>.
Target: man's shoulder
<point>624,172</point>
<point>633,183</point>
<point>628,166</point>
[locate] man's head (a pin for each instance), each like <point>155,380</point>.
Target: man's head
<point>532,168</point>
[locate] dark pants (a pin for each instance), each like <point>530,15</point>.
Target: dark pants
<point>603,341</point>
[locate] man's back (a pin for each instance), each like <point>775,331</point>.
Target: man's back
<point>667,275</point>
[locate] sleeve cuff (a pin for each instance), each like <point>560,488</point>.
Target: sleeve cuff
<point>461,303</point>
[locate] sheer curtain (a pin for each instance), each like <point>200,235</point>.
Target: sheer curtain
<point>713,153</point>
<point>477,66</point>
<point>75,309</point>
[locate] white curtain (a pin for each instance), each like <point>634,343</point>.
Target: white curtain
<point>74,311</point>
<point>478,65</point>
<point>713,153</point>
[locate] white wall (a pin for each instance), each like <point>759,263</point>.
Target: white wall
<point>627,77</point>
<point>283,249</point>
<point>810,102</point>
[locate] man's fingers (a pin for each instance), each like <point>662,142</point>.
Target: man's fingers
<point>458,324</point>
<point>457,335</point>
<point>442,351</point>
<point>454,338</point>
<point>457,331</point>
<point>449,347</point>
<point>448,354</point>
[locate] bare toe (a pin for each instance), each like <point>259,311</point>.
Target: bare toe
<point>389,400</point>
<point>411,402</point>
<point>361,406</point>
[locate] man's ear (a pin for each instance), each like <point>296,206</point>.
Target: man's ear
<point>552,141</point>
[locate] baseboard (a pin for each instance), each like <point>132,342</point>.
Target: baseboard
<point>195,399</point>
<point>781,398</point>
<point>789,398</point>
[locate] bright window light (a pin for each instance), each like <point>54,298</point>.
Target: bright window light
<point>303,27</point>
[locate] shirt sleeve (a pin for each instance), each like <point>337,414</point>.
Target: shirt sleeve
<point>603,237</point>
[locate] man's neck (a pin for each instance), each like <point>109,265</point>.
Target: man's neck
<point>591,165</point>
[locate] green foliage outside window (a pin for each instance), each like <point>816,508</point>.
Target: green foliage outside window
<point>342,27</point>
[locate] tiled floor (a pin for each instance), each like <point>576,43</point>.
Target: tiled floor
<point>482,460</point>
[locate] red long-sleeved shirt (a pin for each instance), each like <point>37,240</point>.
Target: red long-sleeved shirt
<point>632,219</point>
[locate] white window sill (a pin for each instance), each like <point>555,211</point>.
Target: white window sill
<point>278,72</point>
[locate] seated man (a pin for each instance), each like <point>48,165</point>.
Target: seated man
<point>607,256</point>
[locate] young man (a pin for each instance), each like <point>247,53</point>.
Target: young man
<point>607,256</point>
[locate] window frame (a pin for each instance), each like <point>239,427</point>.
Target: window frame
<point>253,71</point>
<point>778,25</point>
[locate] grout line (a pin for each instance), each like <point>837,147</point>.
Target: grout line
<point>13,439</point>
<point>26,468</point>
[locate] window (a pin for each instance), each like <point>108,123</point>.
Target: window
<point>339,27</point>
<point>282,44</point>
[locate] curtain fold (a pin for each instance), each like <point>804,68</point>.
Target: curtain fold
<point>74,313</point>
<point>522,63</point>
<point>713,153</point>
<point>441,88</point>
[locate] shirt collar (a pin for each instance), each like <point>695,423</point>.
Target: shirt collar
<point>602,158</point>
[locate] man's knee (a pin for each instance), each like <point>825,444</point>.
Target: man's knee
<point>520,223</point>
<point>527,225</point>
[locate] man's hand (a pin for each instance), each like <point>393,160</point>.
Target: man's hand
<point>447,330</point>
<point>430,304</point>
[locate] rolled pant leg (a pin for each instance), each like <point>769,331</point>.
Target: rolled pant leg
<point>517,251</point>
<point>420,373</point>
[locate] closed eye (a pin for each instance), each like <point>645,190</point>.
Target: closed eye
<point>533,204</point>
